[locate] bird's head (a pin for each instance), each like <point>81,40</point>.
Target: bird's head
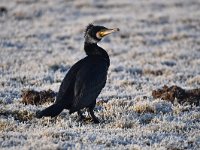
<point>94,34</point>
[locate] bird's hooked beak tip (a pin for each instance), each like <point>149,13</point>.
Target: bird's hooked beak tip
<point>116,29</point>
<point>105,32</point>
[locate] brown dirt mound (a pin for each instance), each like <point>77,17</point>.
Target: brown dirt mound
<point>175,92</point>
<point>37,98</point>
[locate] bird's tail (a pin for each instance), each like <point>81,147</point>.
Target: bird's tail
<point>51,111</point>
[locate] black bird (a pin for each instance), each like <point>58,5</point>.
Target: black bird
<point>85,80</point>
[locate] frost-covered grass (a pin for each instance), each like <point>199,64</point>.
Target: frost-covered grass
<point>158,44</point>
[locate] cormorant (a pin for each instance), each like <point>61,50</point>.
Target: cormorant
<point>86,78</point>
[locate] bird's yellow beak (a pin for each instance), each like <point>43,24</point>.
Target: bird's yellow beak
<point>105,32</point>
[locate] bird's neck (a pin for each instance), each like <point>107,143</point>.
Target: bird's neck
<point>92,49</point>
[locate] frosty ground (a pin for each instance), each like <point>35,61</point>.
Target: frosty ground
<point>158,44</point>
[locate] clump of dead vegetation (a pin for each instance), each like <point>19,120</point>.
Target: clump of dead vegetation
<point>175,93</point>
<point>144,107</point>
<point>154,72</point>
<point>20,115</point>
<point>37,98</point>
<point>3,125</point>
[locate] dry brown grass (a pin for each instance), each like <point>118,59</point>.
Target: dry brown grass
<point>3,125</point>
<point>20,115</point>
<point>143,107</point>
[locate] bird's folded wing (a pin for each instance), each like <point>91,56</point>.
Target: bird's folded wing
<point>89,83</point>
<point>69,79</point>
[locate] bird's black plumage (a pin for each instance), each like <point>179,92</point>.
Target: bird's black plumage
<point>85,80</point>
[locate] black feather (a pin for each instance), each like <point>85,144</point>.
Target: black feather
<point>88,28</point>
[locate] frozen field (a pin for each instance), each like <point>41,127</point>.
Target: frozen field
<point>158,44</point>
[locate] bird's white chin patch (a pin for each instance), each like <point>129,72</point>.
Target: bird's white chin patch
<point>91,40</point>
